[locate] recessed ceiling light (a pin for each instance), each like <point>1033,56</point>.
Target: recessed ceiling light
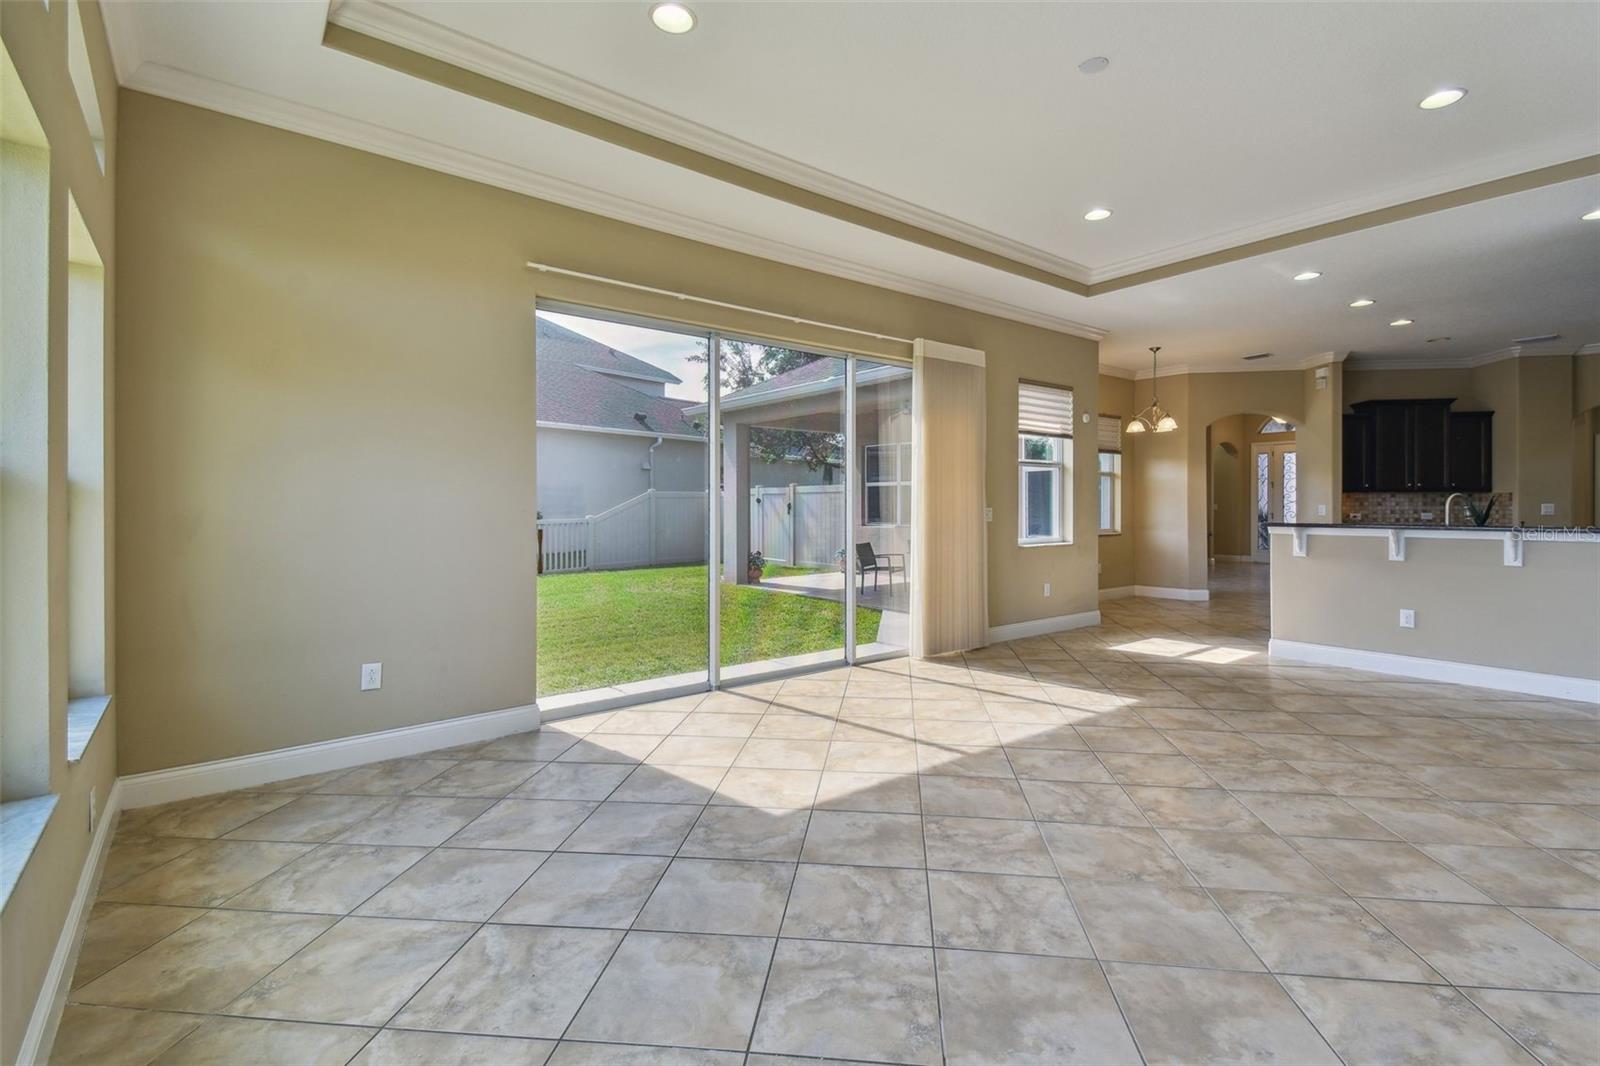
<point>1308,275</point>
<point>1094,64</point>
<point>1592,216</point>
<point>1096,214</point>
<point>672,17</point>
<point>1363,302</point>
<point>1401,322</point>
<point>1442,98</point>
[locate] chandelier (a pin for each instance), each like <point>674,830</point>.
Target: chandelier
<point>1152,418</point>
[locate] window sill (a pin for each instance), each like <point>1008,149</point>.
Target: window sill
<point>22,823</point>
<point>1111,532</point>
<point>83,722</point>
<point>1044,543</point>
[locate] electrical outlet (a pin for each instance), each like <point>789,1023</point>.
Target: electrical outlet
<point>1322,510</point>
<point>94,808</point>
<point>371,676</point>
<point>1547,508</point>
<point>1408,618</point>
<point>988,514</point>
<point>1047,590</point>
<point>1427,516</point>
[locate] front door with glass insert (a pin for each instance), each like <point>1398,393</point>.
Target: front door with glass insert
<point>1274,475</point>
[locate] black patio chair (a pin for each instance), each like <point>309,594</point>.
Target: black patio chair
<point>875,563</point>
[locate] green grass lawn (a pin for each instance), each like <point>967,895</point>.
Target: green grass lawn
<point>610,627</point>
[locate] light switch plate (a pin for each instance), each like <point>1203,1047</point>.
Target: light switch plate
<point>1408,618</point>
<point>1547,508</point>
<point>988,514</point>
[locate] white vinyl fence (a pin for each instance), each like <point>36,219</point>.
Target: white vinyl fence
<point>802,525</point>
<point>796,524</point>
<point>655,528</point>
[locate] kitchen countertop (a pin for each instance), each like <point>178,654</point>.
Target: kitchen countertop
<point>1388,525</point>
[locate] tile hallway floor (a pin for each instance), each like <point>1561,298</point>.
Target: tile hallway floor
<point>1138,842</point>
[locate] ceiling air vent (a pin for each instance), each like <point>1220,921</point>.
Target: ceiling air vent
<point>1539,339</point>
<point>1258,355</point>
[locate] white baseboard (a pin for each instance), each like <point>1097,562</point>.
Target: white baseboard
<point>1120,592</point>
<point>1553,686</point>
<point>41,1033</point>
<point>201,779</point>
<point>1232,558</point>
<point>1161,592</point>
<point>1040,626</point>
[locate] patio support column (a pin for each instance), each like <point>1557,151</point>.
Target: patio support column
<point>735,501</point>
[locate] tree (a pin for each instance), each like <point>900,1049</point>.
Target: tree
<point>745,364</point>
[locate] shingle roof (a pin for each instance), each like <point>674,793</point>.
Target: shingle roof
<point>572,393</point>
<point>559,344</point>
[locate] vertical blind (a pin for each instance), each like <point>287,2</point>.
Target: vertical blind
<point>1110,433</point>
<point>1044,410</point>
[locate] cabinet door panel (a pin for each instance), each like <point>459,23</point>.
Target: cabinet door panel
<point>1428,446</point>
<point>1471,451</point>
<point>1391,456</point>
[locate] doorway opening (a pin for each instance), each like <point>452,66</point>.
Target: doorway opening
<point>1251,482</point>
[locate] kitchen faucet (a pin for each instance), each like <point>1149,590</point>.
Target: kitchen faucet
<point>1447,502</point>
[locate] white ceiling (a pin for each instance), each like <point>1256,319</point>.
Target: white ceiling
<point>1215,124</point>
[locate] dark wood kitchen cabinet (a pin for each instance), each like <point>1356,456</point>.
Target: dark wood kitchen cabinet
<point>1470,451</point>
<point>1360,474</point>
<point>1409,444</point>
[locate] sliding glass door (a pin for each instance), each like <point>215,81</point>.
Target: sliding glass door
<point>783,488</point>
<point>622,504</point>
<point>882,544</point>
<point>690,539</point>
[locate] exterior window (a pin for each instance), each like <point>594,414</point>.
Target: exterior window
<point>1110,492</point>
<point>886,485</point>
<point>1041,481</point>
<point>1044,464</point>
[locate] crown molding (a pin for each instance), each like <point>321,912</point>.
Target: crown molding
<point>1464,362</point>
<point>184,87</point>
<point>1286,367</point>
<point>1122,372</point>
<point>375,18</point>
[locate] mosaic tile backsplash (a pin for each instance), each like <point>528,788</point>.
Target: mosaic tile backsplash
<point>1406,508</point>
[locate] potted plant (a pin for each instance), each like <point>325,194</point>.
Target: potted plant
<point>757,565</point>
<point>839,556</point>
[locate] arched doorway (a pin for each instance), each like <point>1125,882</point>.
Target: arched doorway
<point>1252,466</point>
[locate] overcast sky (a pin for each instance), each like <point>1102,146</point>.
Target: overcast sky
<point>669,351</point>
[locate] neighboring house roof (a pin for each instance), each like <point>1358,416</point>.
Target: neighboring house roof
<point>576,387</point>
<point>557,344</point>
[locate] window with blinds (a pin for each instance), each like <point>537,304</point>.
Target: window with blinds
<point>1044,410</point>
<point>1109,434</point>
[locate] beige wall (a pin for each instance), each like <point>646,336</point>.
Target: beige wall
<point>1171,487</point>
<point>1319,444</point>
<point>328,425</point>
<point>37,685</point>
<point>1471,608</point>
<point>1116,550</point>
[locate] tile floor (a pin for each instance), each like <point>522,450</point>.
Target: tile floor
<point>1139,842</point>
